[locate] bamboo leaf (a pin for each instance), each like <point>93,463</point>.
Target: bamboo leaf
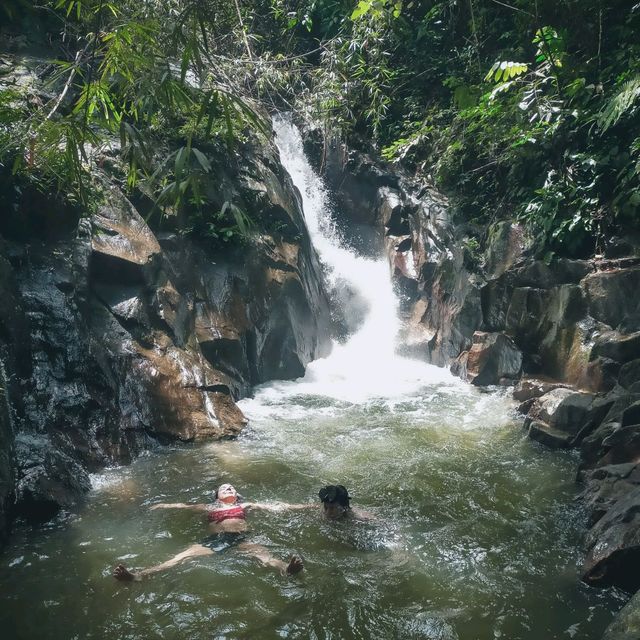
<point>202,159</point>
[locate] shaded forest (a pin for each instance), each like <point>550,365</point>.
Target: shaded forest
<point>516,110</point>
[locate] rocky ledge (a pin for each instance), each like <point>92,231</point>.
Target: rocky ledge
<point>114,336</point>
<point>567,332</point>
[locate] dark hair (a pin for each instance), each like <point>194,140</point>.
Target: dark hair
<point>335,493</point>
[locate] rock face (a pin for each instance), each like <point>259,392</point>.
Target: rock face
<point>492,359</point>
<point>113,336</point>
<point>626,625</point>
<point>494,312</point>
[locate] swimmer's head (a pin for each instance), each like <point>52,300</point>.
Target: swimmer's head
<point>226,493</point>
<point>335,500</point>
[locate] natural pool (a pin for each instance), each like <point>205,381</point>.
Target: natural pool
<point>477,533</point>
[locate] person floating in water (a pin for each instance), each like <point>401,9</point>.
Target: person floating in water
<point>227,526</point>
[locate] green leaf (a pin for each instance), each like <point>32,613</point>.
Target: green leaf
<point>181,157</point>
<point>202,160</point>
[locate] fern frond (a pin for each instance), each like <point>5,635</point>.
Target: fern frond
<point>621,103</point>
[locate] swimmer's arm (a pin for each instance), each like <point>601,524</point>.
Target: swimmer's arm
<point>279,506</point>
<point>361,514</point>
<point>180,505</point>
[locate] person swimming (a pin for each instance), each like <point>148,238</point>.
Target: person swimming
<point>227,522</point>
<point>336,504</point>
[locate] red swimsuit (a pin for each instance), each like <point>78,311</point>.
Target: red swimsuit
<point>218,515</point>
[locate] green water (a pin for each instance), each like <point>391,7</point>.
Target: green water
<point>477,533</point>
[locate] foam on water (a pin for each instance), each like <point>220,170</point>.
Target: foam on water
<point>366,366</point>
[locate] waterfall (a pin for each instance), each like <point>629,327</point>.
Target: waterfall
<point>365,365</point>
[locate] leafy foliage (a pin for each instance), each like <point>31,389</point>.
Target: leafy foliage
<point>136,72</point>
<point>515,109</point>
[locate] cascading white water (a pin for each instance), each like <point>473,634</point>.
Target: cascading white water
<point>366,365</point>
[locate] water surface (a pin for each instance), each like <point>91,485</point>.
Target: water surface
<point>477,532</point>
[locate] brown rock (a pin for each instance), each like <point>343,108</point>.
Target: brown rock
<point>529,388</point>
<point>493,357</point>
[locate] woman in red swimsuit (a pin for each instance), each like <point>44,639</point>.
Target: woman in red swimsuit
<point>227,524</point>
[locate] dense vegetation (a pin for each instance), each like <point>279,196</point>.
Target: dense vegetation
<point>517,109</point>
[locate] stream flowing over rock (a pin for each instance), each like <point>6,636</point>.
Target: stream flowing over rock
<point>113,336</point>
<point>567,332</point>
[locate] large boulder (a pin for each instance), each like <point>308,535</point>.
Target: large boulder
<point>563,409</point>
<point>612,297</point>
<point>556,418</point>
<point>614,545</point>
<point>492,359</point>
<point>530,388</point>
<point>621,347</point>
<point>119,336</point>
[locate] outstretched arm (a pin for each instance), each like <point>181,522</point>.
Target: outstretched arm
<point>179,505</point>
<point>279,506</point>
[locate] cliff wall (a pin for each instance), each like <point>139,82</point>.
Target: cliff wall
<point>115,336</point>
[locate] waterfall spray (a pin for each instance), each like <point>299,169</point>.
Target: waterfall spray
<point>365,365</point>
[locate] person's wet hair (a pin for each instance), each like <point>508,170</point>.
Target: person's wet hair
<point>335,493</point>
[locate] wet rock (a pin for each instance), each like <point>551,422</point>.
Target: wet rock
<point>614,442</point>
<point>523,407</point>
<point>392,212</point>
<point>506,246</point>
<point>626,624</point>
<point>621,445</point>
<point>124,249</point>
<point>118,340</point>
<point>562,409</point>
<point>612,298</point>
<point>492,359</point>
<point>631,415</point>
<point>605,485</point>
<point>231,419</point>
<point>47,479</point>
<point>356,179</point>
<point>547,435</point>
<point>617,346</point>
<point>629,373</point>
<point>598,411</point>
<point>600,374</point>
<point>606,418</point>
<point>529,388</point>
<point>614,545</point>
